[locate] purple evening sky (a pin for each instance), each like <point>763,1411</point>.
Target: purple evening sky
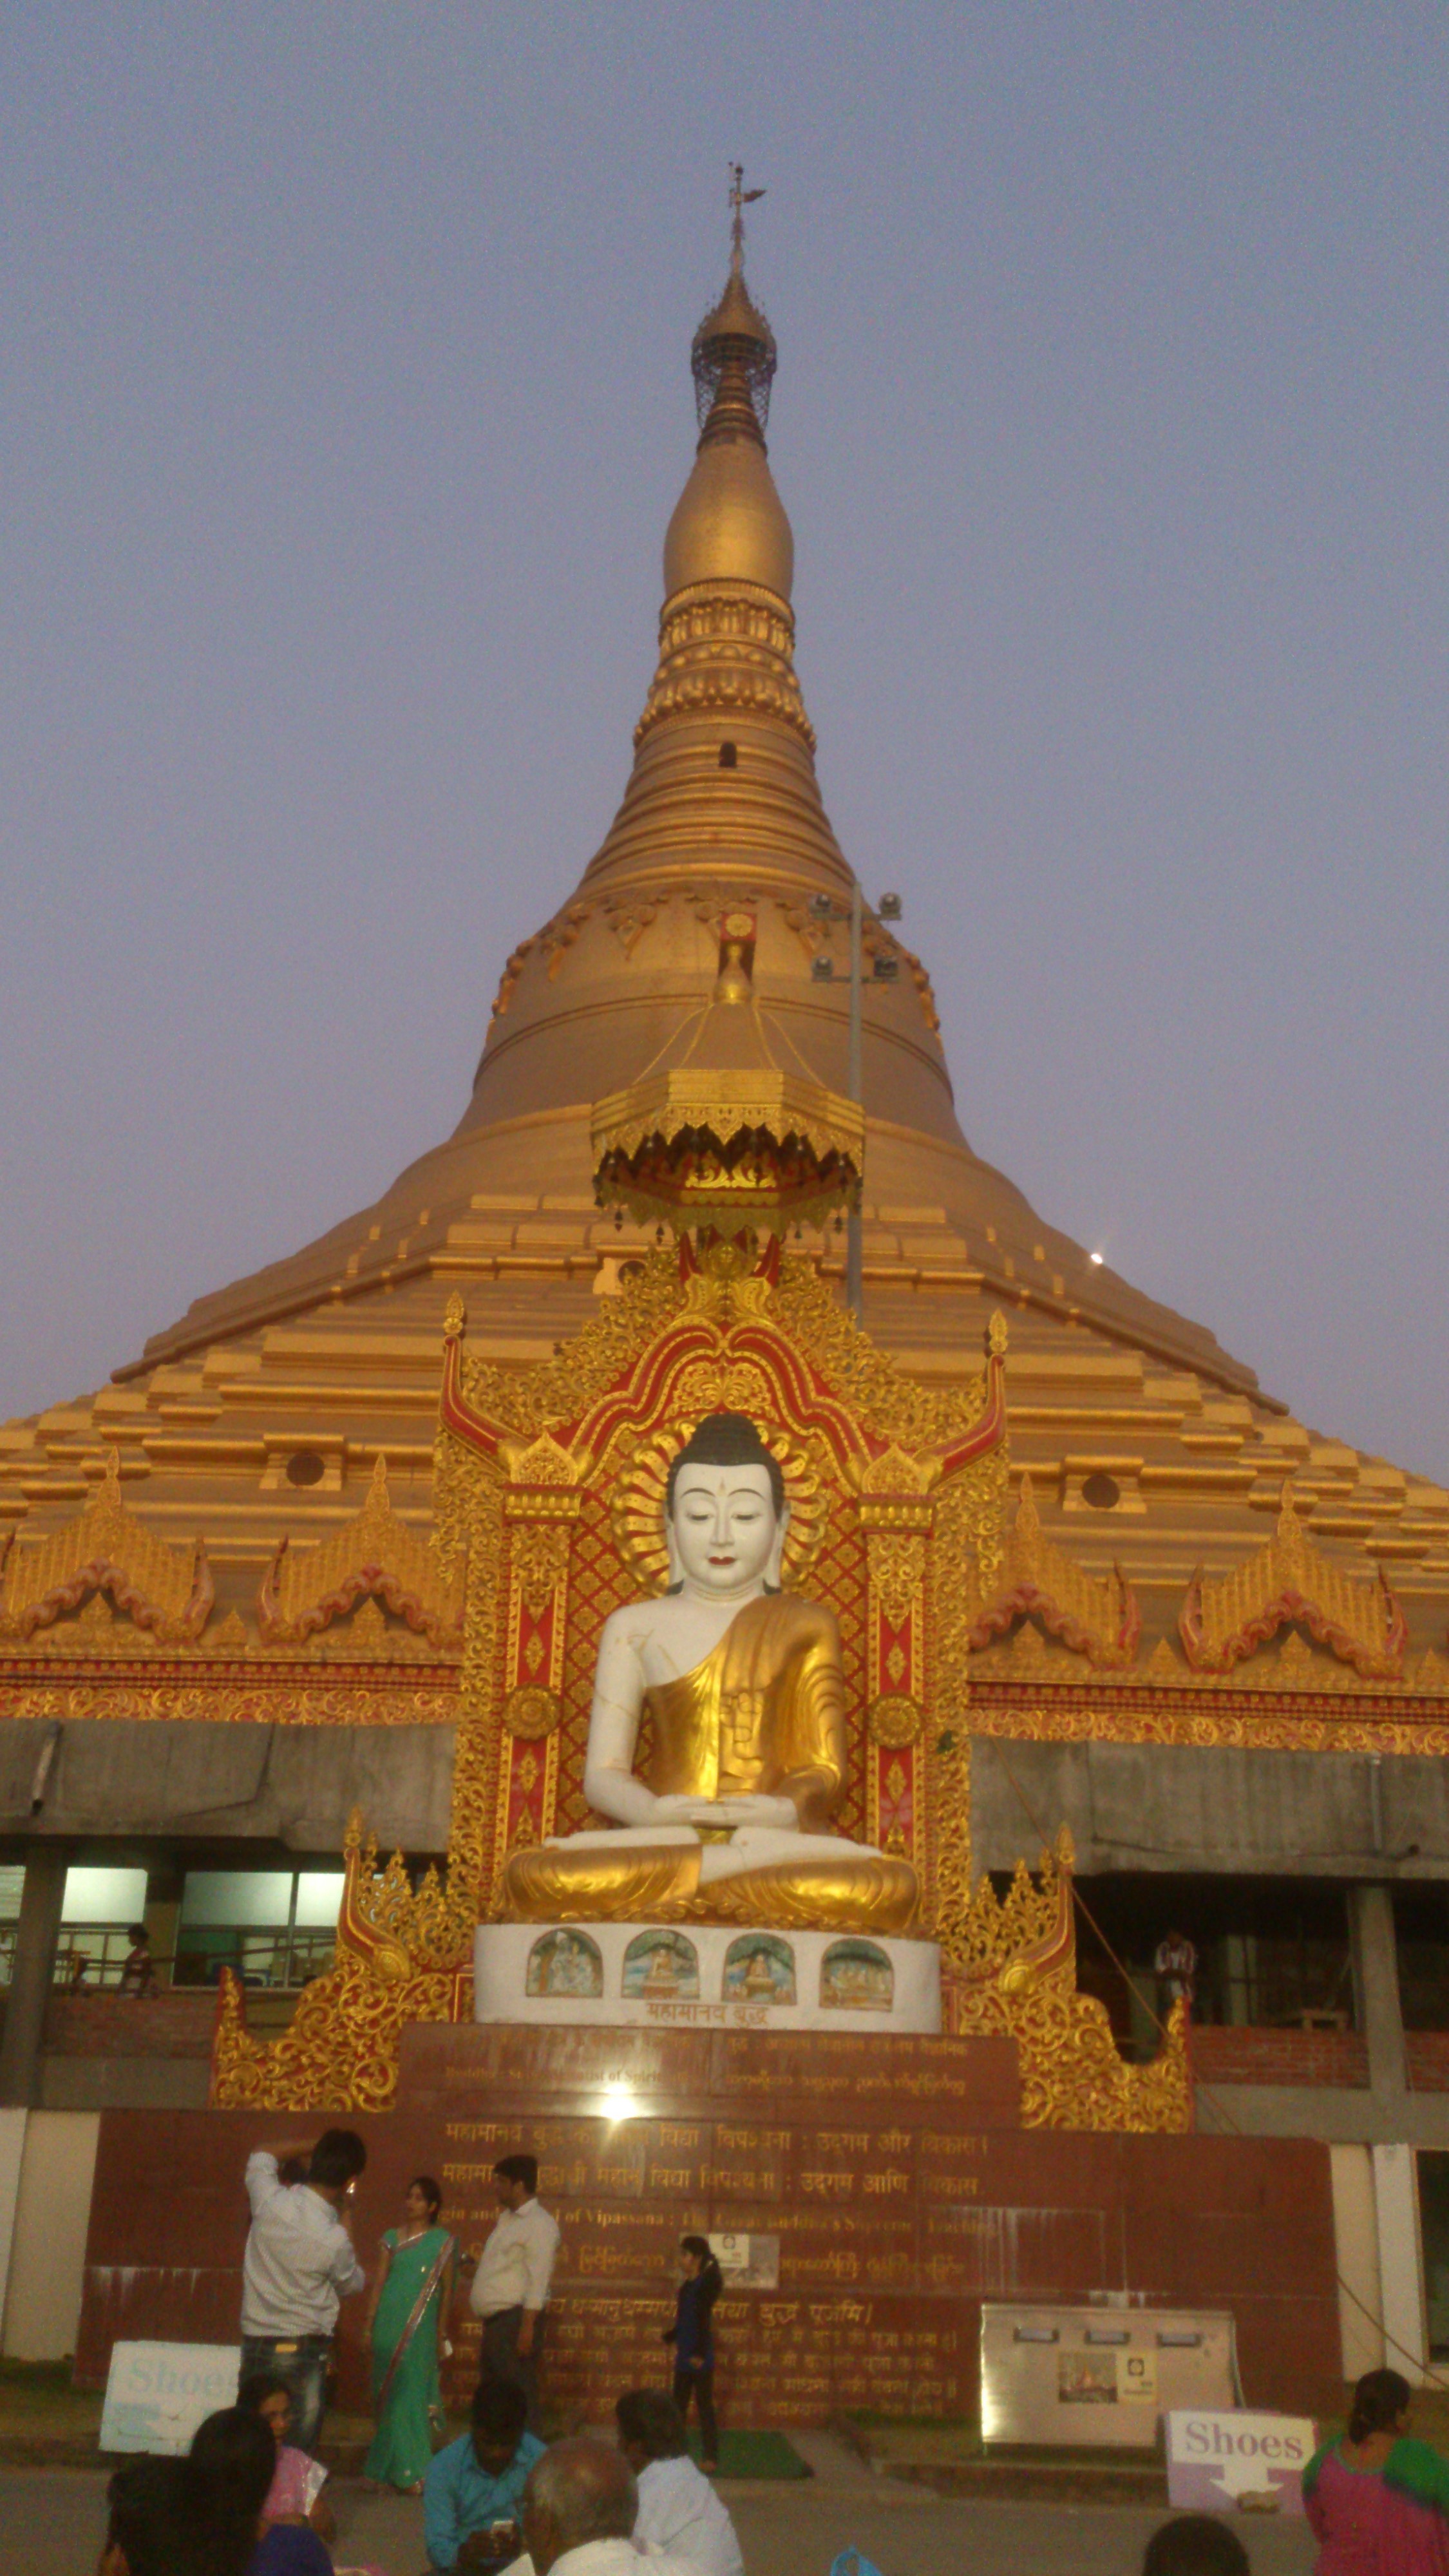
<point>345,397</point>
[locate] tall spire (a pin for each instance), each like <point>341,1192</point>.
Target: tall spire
<point>733,357</point>
<point>729,524</point>
<point>740,197</point>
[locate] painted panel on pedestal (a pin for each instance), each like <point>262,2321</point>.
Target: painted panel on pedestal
<point>661,1967</point>
<point>856,1976</point>
<point>759,1968</point>
<point>565,1963</point>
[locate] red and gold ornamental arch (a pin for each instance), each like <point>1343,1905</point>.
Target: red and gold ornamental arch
<point>549,1489</point>
<point>867,1474</point>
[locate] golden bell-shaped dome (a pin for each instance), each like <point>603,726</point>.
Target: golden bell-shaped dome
<point>729,523</point>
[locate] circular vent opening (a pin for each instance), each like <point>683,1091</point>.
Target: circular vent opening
<point>1101,1492</point>
<point>304,1467</point>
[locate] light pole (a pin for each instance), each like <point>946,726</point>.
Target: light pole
<point>884,970</point>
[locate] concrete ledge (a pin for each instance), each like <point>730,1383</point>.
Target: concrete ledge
<point>1322,2111</point>
<point>124,2083</point>
<point>296,1785</point>
<point>1216,1808</point>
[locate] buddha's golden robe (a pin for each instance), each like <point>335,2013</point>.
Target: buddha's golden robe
<point>764,1714</point>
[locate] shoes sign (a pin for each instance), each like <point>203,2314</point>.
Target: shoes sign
<point>1254,2463</point>
<point>158,2393</point>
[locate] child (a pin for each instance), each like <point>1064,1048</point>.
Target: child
<point>693,2342</point>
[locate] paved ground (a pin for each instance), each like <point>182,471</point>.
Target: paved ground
<point>784,2530</point>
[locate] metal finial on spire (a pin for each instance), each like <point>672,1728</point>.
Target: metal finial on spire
<point>733,357</point>
<point>740,197</point>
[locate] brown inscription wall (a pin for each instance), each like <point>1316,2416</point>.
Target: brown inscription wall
<point>890,2170</point>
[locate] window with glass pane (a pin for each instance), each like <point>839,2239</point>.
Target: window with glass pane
<point>96,1916</point>
<point>12,1886</point>
<point>274,1927</point>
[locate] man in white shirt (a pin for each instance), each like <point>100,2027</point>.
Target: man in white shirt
<point>298,2264</point>
<point>510,2287</point>
<point>679,2513</point>
<point>579,2511</point>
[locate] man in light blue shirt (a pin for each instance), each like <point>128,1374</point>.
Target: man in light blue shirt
<point>474,2490</point>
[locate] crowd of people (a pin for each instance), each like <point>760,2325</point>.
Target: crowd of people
<point>249,2499</point>
<point>242,2504</point>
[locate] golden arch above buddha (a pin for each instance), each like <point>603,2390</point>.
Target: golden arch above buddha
<point>730,1813</point>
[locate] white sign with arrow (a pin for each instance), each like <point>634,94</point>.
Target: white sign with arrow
<point>1254,2462</point>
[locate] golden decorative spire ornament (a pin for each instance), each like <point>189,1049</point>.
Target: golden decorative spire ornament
<point>729,524</point>
<point>718,1133</point>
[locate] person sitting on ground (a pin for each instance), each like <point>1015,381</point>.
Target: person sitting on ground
<point>144,2534</point>
<point>473,2490</point>
<point>1196,2544</point>
<point>295,2494</point>
<point>1375,2498</point>
<point>679,2512</point>
<point>579,2510</point>
<point>232,2463</point>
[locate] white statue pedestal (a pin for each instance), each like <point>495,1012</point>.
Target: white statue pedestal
<point>703,1975</point>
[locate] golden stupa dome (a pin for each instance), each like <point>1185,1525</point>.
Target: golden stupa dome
<point>721,815</point>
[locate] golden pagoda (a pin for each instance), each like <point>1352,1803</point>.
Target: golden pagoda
<point>238,1532</point>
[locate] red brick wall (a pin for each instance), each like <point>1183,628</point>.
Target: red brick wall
<point>1245,2056</point>
<point>891,2169</point>
<point>175,2024</point>
<point>1428,2060</point>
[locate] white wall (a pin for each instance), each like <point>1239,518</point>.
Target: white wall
<point>48,2252</point>
<point>12,2149</point>
<point>1356,2236</point>
<point>1401,2261</point>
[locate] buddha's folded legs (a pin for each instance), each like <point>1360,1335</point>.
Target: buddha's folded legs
<point>847,1892</point>
<point>600,1879</point>
<point>841,1890</point>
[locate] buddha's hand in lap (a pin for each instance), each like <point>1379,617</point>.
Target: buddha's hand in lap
<point>725,1814</point>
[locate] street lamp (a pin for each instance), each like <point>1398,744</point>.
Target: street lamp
<point>884,970</point>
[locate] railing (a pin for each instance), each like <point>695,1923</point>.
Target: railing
<point>278,1959</point>
<point>90,1954</point>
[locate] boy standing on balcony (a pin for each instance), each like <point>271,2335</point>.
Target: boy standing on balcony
<point>298,2265</point>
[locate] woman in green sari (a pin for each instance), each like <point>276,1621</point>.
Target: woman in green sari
<point>407,2321</point>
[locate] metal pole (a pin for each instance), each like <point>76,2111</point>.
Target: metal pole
<point>853,1242</point>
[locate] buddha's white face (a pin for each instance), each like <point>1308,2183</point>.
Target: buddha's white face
<point>724,1533</point>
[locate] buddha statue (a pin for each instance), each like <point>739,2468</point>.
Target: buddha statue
<point>729,1816</point>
